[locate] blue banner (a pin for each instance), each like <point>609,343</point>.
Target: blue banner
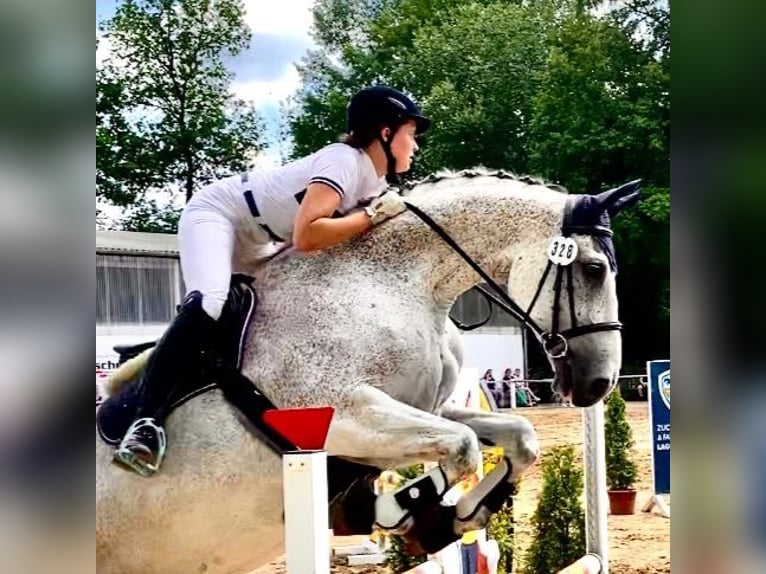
<point>658,373</point>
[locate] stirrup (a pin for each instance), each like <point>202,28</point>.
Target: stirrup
<point>124,455</point>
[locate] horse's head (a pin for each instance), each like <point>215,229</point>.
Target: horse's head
<point>574,302</point>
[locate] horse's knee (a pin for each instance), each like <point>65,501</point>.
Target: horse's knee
<point>527,447</point>
<point>467,455</point>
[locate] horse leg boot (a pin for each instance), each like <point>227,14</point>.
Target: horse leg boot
<point>474,510</point>
<point>415,510</point>
<point>375,429</point>
<point>518,439</point>
<point>180,353</point>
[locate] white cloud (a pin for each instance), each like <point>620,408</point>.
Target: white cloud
<point>293,18</point>
<point>268,158</point>
<point>271,92</point>
<point>288,17</point>
<point>104,48</point>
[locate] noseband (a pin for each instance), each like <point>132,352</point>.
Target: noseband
<point>562,253</point>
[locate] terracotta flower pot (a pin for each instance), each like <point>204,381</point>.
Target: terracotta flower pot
<point>622,501</point>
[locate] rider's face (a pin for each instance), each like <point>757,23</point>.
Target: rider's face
<point>404,146</point>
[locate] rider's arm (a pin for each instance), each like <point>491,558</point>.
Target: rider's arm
<point>315,228</point>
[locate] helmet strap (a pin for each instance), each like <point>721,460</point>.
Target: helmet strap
<point>391,176</point>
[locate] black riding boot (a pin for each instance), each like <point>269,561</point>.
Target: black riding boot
<point>183,351</point>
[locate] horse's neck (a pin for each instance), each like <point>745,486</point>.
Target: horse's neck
<point>493,220</point>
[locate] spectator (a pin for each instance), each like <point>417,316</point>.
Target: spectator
<point>489,379</point>
<point>505,389</point>
<point>641,388</point>
<point>530,397</point>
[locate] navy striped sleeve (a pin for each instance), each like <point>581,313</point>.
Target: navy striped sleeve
<point>337,166</point>
<point>327,181</point>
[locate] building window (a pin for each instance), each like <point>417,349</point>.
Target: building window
<point>136,290</point>
<point>472,307</point>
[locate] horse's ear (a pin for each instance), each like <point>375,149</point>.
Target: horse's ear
<point>618,198</point>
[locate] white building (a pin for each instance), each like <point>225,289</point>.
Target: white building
<point>138,285</point>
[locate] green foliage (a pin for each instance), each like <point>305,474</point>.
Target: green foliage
<point>397,558</point>
<point>149,217</point>
<point>501,530</point>
<point>620,469</point>
<point>602,113</point>
<point>165,118</point>
<point>559,520</point>
<point>642,240</point>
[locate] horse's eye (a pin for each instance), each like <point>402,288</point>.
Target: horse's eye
<point>595,270</point>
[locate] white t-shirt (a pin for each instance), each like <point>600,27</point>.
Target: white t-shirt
<point>272,196</point>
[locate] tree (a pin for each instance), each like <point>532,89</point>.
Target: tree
<point>601,115</point>
<point>559,520</point>
<point>478,90</point>
<point>165,117</point>
<point>621,471</point>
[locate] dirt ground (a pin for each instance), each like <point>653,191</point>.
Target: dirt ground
<point>638,544</point>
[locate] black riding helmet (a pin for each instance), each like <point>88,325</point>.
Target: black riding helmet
<point>380,106</point>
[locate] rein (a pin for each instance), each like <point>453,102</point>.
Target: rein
<point>555,342</point>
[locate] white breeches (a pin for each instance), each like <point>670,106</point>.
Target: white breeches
<point>206,239</point>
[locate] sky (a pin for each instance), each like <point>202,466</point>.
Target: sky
<point>265,74</point>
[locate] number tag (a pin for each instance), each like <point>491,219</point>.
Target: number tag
<point>562,250</point>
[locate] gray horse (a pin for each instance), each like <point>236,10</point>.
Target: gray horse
<point>364,328</point>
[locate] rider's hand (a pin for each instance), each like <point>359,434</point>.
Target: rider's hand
<point>385,207</point>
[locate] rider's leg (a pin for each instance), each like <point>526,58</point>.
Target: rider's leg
<point>206,243</point>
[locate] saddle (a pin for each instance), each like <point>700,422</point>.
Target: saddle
<point>118,412</point>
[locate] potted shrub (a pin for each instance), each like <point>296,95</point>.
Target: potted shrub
<point>620,468</point>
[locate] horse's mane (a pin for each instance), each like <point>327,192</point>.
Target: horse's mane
<point>447,174</point>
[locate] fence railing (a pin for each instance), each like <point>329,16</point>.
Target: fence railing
<point>508,394</point>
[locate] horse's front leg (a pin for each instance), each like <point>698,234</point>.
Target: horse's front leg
<point>372,428</point>
<point>518,439</point>
<point>513,433</point>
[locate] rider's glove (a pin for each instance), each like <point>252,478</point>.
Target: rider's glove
<point>385,207</point>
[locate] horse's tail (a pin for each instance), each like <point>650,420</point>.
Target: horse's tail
<point>126,372</point>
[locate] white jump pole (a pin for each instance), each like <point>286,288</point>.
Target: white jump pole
<point>588,564</point>
<point>596,499</point>
<point>304,487</point>
<point>307,530</point>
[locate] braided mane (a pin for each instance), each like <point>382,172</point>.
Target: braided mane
<point>480,172</point>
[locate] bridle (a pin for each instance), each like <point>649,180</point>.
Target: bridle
<point>554,342</point>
